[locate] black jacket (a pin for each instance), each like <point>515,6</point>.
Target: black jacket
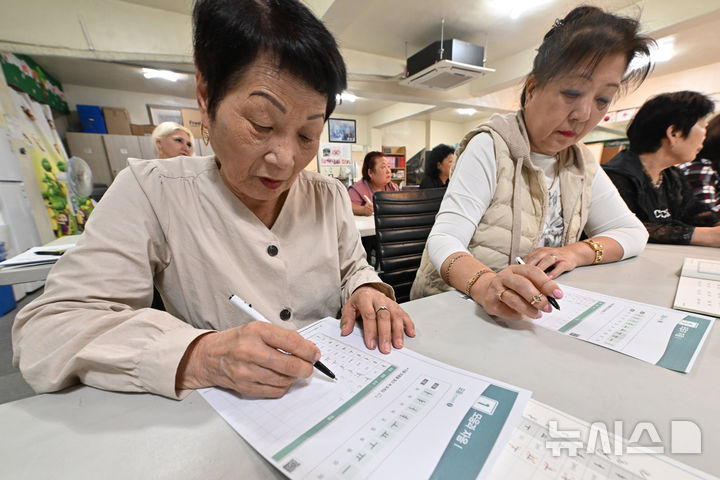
<point>670,212</point>
<point>430,182</point>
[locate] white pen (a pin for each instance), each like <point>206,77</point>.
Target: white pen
<point>551,300</point>
<point>366,199</point>
<point>245,307</point>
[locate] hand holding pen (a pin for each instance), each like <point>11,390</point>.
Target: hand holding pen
<point>550,299</point>
<point>247,308</point>
<point>248,359</point>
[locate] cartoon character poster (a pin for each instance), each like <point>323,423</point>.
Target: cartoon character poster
<point>68,212</point>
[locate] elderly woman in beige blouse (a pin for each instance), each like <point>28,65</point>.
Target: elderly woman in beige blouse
<point>248,221</point>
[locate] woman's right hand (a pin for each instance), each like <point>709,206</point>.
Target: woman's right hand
<point>368,209</point>
<point>246,359</point>
<point>513,292</point>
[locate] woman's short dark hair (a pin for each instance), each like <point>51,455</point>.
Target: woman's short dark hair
<point>437,155</point>
<point>679,109</point>
<point>711,146</point>
<point>585,37</point>
<point>369,163</point>
<point>228,35</point>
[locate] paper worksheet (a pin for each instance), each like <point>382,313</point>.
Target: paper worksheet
<point>552,445</point>
<point>658,335</point>
<point>30,257</point>
<point>400,415</point>
<point>698,288</point>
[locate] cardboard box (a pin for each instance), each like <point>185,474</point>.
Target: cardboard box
<point>141,130</point>
<point>192,120</point>
<point>117,121</point>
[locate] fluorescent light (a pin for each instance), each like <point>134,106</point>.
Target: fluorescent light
<point>466,111</point>
<point>164,74</point>
<point>517,8</point>
<point>346,97</point>
<point>663,52</point>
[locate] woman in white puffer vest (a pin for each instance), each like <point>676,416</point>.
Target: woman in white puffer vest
<point>525,186</point>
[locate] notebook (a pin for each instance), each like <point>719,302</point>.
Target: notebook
<point>698,289</point>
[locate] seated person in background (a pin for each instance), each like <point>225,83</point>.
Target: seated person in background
<point>703,173</point>
<point>437,167</point>
<point>173,140</point>
<point>249,221</point>
<point>668,130</point>
<point>376,177</point>
<point>525,186</point>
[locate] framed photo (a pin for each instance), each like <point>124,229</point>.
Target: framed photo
<point>341,130</point>
<point>165,113</point>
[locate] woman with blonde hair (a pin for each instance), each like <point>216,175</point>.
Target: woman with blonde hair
<point>173,140</point>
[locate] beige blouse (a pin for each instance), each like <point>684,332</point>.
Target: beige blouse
<point>175,224</point>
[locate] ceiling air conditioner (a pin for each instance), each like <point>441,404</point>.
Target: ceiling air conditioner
<point>436,68</point>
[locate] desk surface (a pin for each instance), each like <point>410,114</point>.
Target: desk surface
<point>33,273</point>
<point>87,433</point>
<point>366,225</point>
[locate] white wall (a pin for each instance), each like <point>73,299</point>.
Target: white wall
<point>409,134</point>
<point>135,102</point>
<point>444,132</point>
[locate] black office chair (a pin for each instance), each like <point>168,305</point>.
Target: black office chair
<point>403,220</point>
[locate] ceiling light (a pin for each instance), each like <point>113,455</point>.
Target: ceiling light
<point>466,111</point>
<point>164,74</point>
<point>346,97</point>
<point>661,52</point>
<point>517,8</point>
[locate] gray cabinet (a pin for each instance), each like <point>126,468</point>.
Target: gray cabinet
<point>147,147</point>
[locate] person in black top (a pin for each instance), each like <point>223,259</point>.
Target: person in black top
<point>437,167</point>
<point>668,130</point>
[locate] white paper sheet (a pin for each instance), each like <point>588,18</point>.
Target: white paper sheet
<point>658,335</point>
<point>698,288</point>
<point>30,257</point>
<point>400,415</point>
<point>539,450</point>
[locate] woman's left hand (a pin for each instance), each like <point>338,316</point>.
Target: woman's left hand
<point>552,261</point>
<point>383,319</point>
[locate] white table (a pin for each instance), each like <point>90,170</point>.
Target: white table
<point>366,225</point>
<point>88,433</point>
<point>33,273</point>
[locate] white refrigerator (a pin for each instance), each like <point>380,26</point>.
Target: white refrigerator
<point>15,209</point>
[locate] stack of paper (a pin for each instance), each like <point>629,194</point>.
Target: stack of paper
<point>37,256</point>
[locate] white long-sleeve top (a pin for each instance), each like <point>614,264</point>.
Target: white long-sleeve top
<point>472,188</point>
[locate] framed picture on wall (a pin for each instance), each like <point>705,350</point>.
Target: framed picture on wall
<point>341,130</point>
<point>165,113</point>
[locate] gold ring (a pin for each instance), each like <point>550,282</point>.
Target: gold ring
<point>554,256</point>
<point>536,299</point>
<point>381,307</point>
<point>500,293</point>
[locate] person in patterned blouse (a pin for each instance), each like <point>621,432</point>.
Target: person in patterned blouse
<point>703,173</point>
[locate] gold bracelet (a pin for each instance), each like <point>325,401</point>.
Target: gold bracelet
<point>474,279</point>
<point>447,271</point>
<point>597,248</point>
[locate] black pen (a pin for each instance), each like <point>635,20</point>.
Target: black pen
<point>50,252</point>
<point>245,307</point>
<point>551,300</point>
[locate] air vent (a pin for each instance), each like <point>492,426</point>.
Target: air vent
<point>445,75</point>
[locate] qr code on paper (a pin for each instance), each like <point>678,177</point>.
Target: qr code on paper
<point>291,465</point>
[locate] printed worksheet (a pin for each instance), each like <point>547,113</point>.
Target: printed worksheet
<point>698,288</point>
<point>552,445</point>
<point>400,415</point>
<point>658,335</point>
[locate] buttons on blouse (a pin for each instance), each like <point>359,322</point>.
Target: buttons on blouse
<point>272,250</point>
<point>285,314</point>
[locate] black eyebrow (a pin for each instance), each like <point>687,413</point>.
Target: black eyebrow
<point>271,100</point>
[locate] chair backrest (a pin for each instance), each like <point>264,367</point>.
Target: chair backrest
<point>403,220</point>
